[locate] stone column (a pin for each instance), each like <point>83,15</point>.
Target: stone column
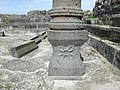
<point>66,35</point>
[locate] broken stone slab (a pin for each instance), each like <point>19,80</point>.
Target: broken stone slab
<point>39,38</point>
<point>108,49</point>
<point>2,34</point>
<point>106,32</point>
<point>22,49</point>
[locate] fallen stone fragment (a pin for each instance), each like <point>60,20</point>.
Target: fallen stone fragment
<point>22,49</point>
<point>39,38</point>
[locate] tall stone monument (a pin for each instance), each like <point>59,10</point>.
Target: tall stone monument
<point>66,35</point>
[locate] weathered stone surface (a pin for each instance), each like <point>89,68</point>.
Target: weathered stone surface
<point>66,58</point>
<point>106,9</point>
<point>39,38</point>
<point>66,17</point>
<point>65,38</point>
<point>33,19</point>
<point>2,34</point>
<point>22,49</point>
<point>116,20</point>
<point>66,35</point>
<point>107,49</point>
<point>106,32</point>
<point>64,3</point>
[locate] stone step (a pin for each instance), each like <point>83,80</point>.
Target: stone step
<point>108,49</point>
<point>22,49</point>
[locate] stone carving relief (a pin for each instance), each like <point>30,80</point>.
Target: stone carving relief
<point>66,52</point>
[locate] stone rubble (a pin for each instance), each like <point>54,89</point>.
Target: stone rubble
<point>107,11</point>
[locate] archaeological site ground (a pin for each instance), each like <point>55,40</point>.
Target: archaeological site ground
<point>64,48</point>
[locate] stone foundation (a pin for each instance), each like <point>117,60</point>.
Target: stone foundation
<point>109,50</point>
<point>105,32</point>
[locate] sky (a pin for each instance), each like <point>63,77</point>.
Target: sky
<point>23,6</point>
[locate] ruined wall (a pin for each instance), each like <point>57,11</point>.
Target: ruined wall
<point>105,9</point>
<point>33,19</point>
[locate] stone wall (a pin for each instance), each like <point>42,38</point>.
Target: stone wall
<point>32,19</point>
<point>108,49</point>
<point>106,41</point>
<point>106,9</point>
<point>105,32</point>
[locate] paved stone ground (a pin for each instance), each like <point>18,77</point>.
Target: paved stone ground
<point>30,71</point>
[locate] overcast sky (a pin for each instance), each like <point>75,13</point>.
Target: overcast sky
<point>23,6</point>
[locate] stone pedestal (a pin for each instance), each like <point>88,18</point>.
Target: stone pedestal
<point>66,35</point>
